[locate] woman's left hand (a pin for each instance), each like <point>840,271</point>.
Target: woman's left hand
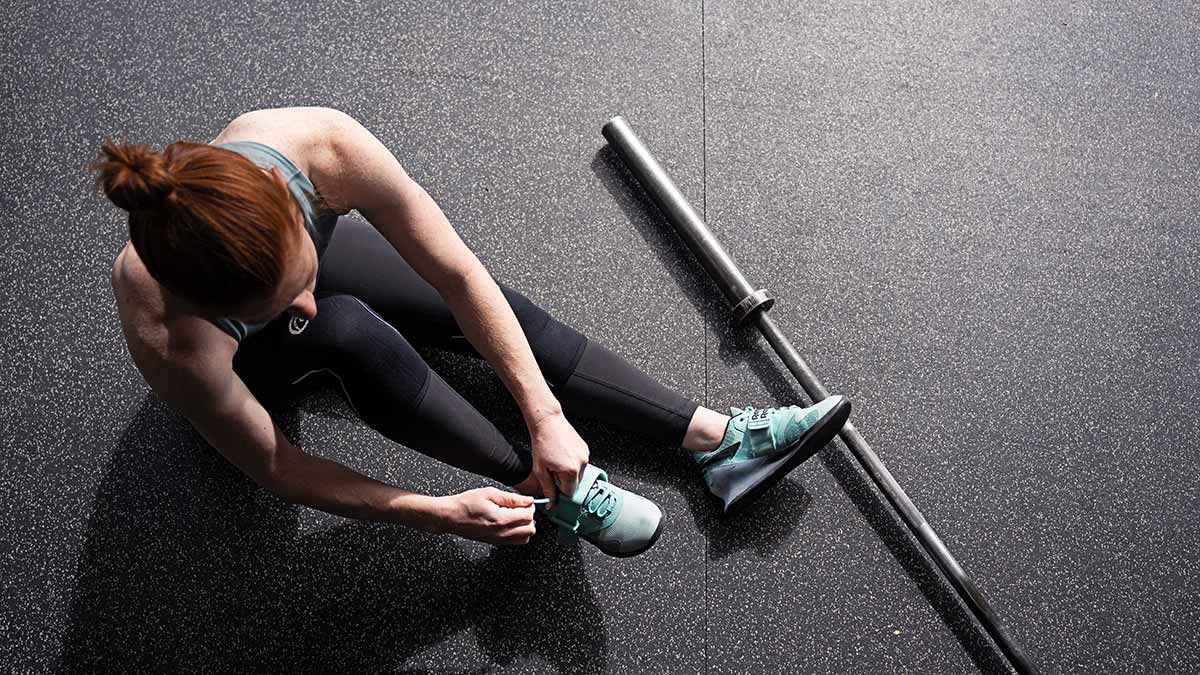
<point>558,452</point>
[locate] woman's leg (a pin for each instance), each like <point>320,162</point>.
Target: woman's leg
<point>384,380</point>
<point>587,378</point>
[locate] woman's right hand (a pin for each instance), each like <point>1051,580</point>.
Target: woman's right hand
<point>489,515</point>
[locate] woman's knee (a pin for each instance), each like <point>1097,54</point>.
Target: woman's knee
<point>556,346</point>
<point>377,366</point>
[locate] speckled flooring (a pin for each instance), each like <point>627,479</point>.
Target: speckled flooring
<point>980,222</point>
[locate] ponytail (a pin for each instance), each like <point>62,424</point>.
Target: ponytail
<point>135,177</point>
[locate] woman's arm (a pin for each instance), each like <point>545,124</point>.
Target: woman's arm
<point>202,386</point>
<point>371,180</point>
<point>205,389</point>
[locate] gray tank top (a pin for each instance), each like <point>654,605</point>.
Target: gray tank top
<point>320,227</point>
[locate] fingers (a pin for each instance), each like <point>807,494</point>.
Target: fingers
<point>509,508</point>
<point>516,535</point>
<point>509,499</point>
<point>511,517</point>
<point>546,481</point>
<point>569,480</point>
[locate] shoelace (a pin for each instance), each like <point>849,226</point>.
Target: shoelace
<point>599,497</point>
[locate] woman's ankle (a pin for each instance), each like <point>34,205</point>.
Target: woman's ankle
<point>705,431</point>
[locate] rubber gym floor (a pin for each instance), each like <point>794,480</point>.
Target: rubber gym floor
<point>979,221</point>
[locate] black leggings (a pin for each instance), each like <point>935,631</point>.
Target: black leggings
<point>372,307</point>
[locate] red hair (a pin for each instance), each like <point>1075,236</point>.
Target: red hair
<point>208,223</point>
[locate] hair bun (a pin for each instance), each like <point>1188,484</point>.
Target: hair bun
<point>135,177</point>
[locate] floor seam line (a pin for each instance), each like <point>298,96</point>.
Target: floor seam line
<point>703,311</point>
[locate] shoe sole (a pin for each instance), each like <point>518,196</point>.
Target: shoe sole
<point>627,554</point>
<point>746,488</point>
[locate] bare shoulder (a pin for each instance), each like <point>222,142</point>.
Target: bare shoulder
<point>307,135</point>
<point>159,336</point>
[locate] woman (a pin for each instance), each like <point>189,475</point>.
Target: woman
<point>240,279</point>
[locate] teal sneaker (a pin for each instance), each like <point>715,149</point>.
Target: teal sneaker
<point>762,445</point>
<point>616,521</point>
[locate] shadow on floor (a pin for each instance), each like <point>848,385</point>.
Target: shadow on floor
<point>189,566</point>
<point>738,345</point>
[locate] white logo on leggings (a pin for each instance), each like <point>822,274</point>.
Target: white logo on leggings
<point>297,325</point>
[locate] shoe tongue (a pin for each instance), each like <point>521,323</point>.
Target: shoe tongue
<point>741,418</point>
<point>734,429</point>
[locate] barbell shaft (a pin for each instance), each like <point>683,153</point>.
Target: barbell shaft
<point>741,294</point>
